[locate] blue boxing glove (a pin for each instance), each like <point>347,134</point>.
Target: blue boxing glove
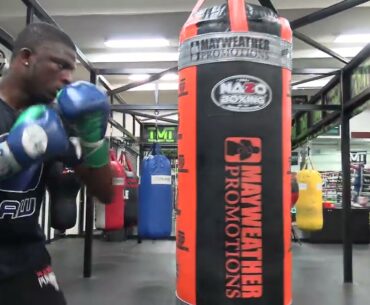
<point>87,109</point>
<point>37,135</point>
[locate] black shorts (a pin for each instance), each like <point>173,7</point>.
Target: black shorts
<point>32,288</point>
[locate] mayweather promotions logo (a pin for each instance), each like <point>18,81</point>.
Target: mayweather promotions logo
<point>230,47</point>
<point>242,93</point>
<point>243,218</point>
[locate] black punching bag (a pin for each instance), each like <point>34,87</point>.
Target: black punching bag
<point>63,187</point>
<point>234,144</point>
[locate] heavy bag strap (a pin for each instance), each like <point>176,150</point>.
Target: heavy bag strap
<point>125,161</point>
<point>308,160</point>
<point>238,16</point>
<point>112,155</point>
<point>190,29</point>
<point>192,18</point>
<point>156,149</point>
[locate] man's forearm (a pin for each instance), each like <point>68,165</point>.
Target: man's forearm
<point>98,181</point>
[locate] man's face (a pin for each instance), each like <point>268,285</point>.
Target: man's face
<point>51,67</point>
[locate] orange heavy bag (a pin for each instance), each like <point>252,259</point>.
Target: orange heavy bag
<point>110,217</point>
<point>233,222</point>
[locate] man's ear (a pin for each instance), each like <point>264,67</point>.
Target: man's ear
<point>25,55</point>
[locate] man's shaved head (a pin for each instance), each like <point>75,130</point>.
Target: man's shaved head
<point>36,34</point>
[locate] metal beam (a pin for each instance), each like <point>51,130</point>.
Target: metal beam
<point>117,97</point>
<point>360,58</point>
<point>162,116</point>
<point>140,83</point>
<point>306,39</point>
<point>268,4</point>
<point>117,125</point>
<point>326,12</point>
<point>130,107</point>
<point>153,117</point>
<point>104,82</point>
<point>313,107</point>
<point>319,46</point>
<point>44,16</point>
<point>30,14</point>
<point>6,39</point>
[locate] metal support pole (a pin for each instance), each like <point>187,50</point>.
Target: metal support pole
<point>89,220</point>
<point>346,183</point>
<point>81,214</point>
<point>30,14</point>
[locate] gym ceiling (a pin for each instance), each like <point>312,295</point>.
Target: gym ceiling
<point>91,22</point>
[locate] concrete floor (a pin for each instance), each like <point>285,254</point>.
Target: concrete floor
<point>128,273</point>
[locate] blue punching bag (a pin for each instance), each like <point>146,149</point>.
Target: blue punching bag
<point>155,196</point>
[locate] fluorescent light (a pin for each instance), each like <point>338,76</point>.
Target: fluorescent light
<point>137,77</point>
<point>161,86</point>
<point>133,57</point>
<point>137,43</point>
<point>166,77</point>
<point>319,83</point>
<point>352,38</point>
<point>170,76</point>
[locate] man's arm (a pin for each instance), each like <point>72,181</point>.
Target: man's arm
<point>98,181</point>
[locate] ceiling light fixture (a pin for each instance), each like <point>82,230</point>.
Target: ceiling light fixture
<point>170,76</point>
<point>133,57</point>
<point>138,77</point>
<point>137,43</point>
<point>161,86</point>
<point>353,38</point>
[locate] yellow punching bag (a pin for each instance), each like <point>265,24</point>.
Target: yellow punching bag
<point>309,206</point>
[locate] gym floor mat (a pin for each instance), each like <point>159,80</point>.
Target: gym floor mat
<point>144,274</point>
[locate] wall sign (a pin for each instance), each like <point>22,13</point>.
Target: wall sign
<point>358,157</point>
<point>160,134</point>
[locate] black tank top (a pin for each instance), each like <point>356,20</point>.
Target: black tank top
<point>22,241</point>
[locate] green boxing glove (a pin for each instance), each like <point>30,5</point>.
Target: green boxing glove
<point>87,108</point>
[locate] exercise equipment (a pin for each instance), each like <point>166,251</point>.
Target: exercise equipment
<point>130,191</point>
<point>110,216</point>
<point>309,216</point>
<point>234,223</point>
<point>155,196</point>
<point>63,186</point>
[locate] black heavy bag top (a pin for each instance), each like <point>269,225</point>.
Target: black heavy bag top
<point>233,224</point>
<point>63,187</point>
